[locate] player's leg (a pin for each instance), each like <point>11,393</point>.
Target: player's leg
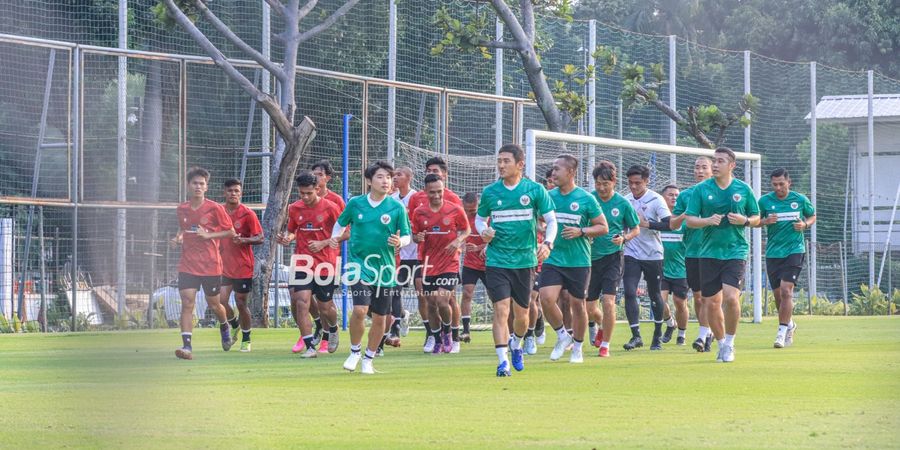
<point>187,290</point>
<point>444,298</point>
<point>242,290</point>
<point>692,267</point>
<point>679,296</point>
<point>786,324</point>
<point>630,279</point>
<point>468,293</point>
<point>575,280</point>
<point>225,292</point>
<point>550,288</point>
<point>652,271</point>
<point>303,299</point>
<point>317,321</point>
<point>424,312</point>
<point>521,285</point>
<point>609,323</point>
<point>380,309</point>
<point>565,308</point>
<point>534,313</point>
<point>429,290</point>
<point>362,298</point>
<point>668,317</point>
<point>211,286</point>
<point>323,296</point>
<point>499,289</point>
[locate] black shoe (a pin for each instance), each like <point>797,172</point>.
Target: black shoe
<point>635,342</point>
<point>679,340</point>
<point>668,335</point>
<point>698,345</point>
<point>656,345</point>
<point>539,328</point>
<point>708,344</point>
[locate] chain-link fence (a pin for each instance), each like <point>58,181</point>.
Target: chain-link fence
<point>74,144</point>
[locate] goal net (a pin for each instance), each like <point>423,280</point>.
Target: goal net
<point>668,164</point>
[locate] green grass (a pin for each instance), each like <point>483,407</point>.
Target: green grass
<point>838,386</point>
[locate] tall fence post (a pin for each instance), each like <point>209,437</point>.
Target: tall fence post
<point>673,163</point>
<point>498,87</point>
<point>753,178</point>
<point>75,168</point>
<point>870,147</point>
<point>392,75</point>
<point>121,163</point>
<point>266,84</point>
<point>813,241</point>
<point>592,97</point>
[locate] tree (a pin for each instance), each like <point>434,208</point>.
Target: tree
<point>292,139</point>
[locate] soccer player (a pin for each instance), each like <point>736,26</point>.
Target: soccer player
<point>606,252</point>
<point>473,264</point>
<point>409,259</point>
<point>786,215</point>
<point>201,223</point>
<point>379,225</point>
<point>674,279</point>
<point>693,241</point>
<point>324,171</point>
<point>512,254</point>
<point>310,221</point>
<point>440,228</point>
<point>435,165</point>
<point>237,261</point>
<point>569,264</point>
<point>644,256</point>
<point>723,207</point>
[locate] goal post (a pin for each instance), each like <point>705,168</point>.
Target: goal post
<point>542,148</point>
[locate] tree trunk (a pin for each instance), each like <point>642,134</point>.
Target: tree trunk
<point>276,216</point>
<point>542,94</point>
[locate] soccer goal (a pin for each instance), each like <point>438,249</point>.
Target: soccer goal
<point>668,164</point>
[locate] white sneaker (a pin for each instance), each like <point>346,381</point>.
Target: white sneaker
<point>560,347</point>
<point>367,368</point>
<point>727,353</point>
<point>576,357</point>
<point>454,348</point>
<point>719,354</point>
<point>789,337</point>
<point>404,324</point>
<point>593,334</point>
<point>779,340</point>
<point>310,353</point>
<point>429,344</point>
<point>540,340</point>
<point>352,361</point>
<point>530,346</point>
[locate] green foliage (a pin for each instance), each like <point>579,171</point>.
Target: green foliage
<point>821,305</point>
<point>4,325</point>
<point>466,37</point>
<point>871,302</point>
<point>163,17</point>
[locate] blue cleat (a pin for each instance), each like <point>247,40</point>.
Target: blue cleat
<point>503,369</point>
<point>518,360</point>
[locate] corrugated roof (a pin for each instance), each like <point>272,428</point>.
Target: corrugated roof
<point>853,108</point>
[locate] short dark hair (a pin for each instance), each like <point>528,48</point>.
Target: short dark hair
<point>470,197</point>
<point>548,174</point>
<point>370,171</point>
<point>232,182</point>
<point>307,178</point>
<point>325,165</point>
<point>436,161</point>
<point>570,160</point>
<point>604,171</point>
<point>668,186</point>
<point>432,178</point>
<point>195,172</point>
<point>780,172</point>
<point>515,150</point>
<point>727,151</point>
<point>638,169</point>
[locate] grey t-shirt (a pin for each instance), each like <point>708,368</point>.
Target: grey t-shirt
<point>410,251</point>
<point>647,246</point>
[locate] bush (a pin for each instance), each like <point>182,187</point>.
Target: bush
<point>871,301</point>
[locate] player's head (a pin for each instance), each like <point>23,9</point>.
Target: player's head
<point>510,161</point>
<point>470,203</point>
<point>605,179</point>
<point>307,184</point>
<point>436,165</point>
<point>402,177</point>
<point>723,162</point>
<point>379,176</point>
<point>781,182</point>
<point>198,181</point>
<point>702,168</point>
<point>564,169</point>
<point>638,176</point>
<point>233,191</point>
<point>670,193</point>
<point>434,187</point>
<point>548,179</point>
<point>323,170</point>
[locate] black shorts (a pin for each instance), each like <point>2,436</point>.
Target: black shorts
<point>446,281</point>
<point>606,274</point>
<point>210,284</point>
<point>572,279</point>
<point>784,269</point>
<point>677,286</point>
<point>692,267</point>
<point>536,286</point>
<point>377,298</point>
<point>471,276</point>
<point>716,272</point>
<point>502,283</point>
<point>408,271</point>
<point>238,285</point>
<point>323,292</point>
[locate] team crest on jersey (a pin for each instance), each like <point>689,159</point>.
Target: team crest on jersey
<point>320,218</point>
<point>359,217</point>
<point>709,197</point>
<point>435,228</point>
<point>524,200</point>
<point>499,202</point>
<point>574,206</point>
<point>794,205</point>
<point>446,221</point>
<point>309,225</point>
<point>615,212</point>
<point>736,197</point>
<point>385,219</point>
<point>204,220</point>
<point>237,224</point>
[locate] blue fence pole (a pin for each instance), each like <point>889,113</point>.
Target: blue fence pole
<point>345,179</point>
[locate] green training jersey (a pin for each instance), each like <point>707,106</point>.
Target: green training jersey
<point>725,241</point>
<point>620,216</point>
<point>781,238</point>
<point>673,252</point>
<point>575,209</point>
<point>693,238</point>
<point>370,228</point>
<point>512,213</point>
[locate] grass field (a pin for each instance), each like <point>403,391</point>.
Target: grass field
<point>838,386</point>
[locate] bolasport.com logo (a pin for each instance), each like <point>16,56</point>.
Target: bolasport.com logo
<point>304,270</point>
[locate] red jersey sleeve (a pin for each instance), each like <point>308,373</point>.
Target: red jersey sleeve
<point>254,226</point>
<point>223,221</point>
<point>292,218</point>
<point>462,222</point>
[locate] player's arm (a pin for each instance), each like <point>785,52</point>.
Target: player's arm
<point>229,233</point>
<point>692,213</point>
<point>177,239</point>
<point>402,237</point>
<point>599,227</point>
<point>809,216</point>
<point>462,233</point>
<point>676,221</point>
<point>252,240</point>
<point>341,225</point>
<point>751,219</point>
<point>481,226</point>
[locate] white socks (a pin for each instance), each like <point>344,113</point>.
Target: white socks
<point>704,331</point>
<point>501,355</point>
<point>729,340</point>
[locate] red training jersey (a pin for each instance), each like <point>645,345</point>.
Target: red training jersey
<point>314,223</point>
<point>201,256</point>
<point>440,229</point>
<point>237,260</point>
<point>420,198</point>
<point>474,260</point>
<point>335,198</point>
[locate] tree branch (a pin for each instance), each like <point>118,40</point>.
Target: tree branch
<point>302,12</point>
<point>690,124</point>
<point>337,14</point>
<point>267,64</point>
<point>512,23</point>
<point>277,6</point>
<point>500,44</point>
<point>527,9</point>
<point>282,124</point>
